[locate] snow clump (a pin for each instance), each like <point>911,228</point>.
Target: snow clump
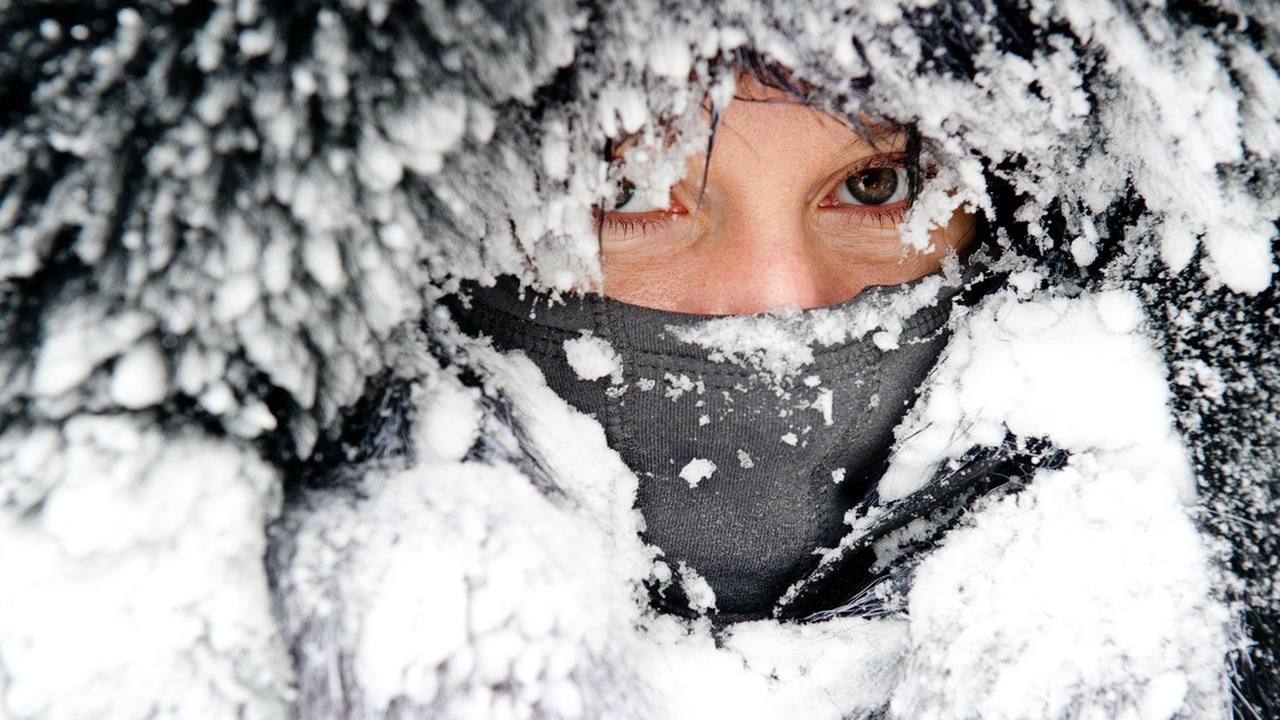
<point>592,358</point>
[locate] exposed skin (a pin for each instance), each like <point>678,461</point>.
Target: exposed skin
<point>777,226</point>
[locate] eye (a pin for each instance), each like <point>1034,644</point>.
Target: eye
<point>874,186</point>
<point>631,199</point>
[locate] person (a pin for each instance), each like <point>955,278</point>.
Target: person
<point>793,208</point>
<point>580,359</point>
<point>766,464</point>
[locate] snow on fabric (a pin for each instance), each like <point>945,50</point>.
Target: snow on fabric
<point>766,670</point>
<point>697,470</point>
<point>1085,579</point>
<point>220,220</point>
<point>593,358</point>
<point>781,343</point>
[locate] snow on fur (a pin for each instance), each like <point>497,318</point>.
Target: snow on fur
<point>134,584</point>
<point>1090,593</point>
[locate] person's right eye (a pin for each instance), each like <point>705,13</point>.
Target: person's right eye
<point>874,186</point>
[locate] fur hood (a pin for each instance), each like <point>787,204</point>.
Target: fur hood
<point>225,232</point>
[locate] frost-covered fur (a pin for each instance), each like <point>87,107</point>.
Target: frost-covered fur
<point>221,220</point>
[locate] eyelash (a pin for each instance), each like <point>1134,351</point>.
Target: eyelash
<point>630,223</point>
<point>879,214</point>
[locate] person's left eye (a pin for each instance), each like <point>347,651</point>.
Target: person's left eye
<point>631,199</point>
<point>874,186</point>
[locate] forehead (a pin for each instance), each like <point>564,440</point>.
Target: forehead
<point>758,108</point>
<point>770,128</point>
<point>770,118</point>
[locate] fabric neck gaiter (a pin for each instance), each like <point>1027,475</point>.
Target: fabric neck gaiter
<point>751,435</point>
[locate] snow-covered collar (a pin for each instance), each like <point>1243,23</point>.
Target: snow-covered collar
<point>752,436</point>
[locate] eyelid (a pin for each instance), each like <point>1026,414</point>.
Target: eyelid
<point>892,159</point>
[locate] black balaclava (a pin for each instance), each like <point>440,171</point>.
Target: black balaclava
<point>748,457</point>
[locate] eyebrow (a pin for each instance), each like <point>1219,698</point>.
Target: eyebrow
<point>876,136</point>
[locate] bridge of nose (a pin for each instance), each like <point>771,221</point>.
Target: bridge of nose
<point>761,251</point>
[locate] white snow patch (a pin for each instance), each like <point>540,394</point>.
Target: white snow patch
<point>1241,256</point>
<point>1090,593</point>
<point>323,260</point>
<point>679,385</point>
<point>592,358</point>
<point>449,420</point>
<point>377,164</point>
<point>498,554</point>
<point>696,588</point>
<point>885,341</point>
<point>1077,371</point>
<point>140,377</point>
<point>78,337</point>
<point>767,670</point>
<point>501,556</point>
<point>697,470</point>
<point>824,405</point>
<point>781,343</point>
<point>147,546</point>
<point>671,57</point>
<point>235,297</point>
<point>253,418</point>
<point>424,130</point>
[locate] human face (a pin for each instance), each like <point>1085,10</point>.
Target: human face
<point>795,209</point>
